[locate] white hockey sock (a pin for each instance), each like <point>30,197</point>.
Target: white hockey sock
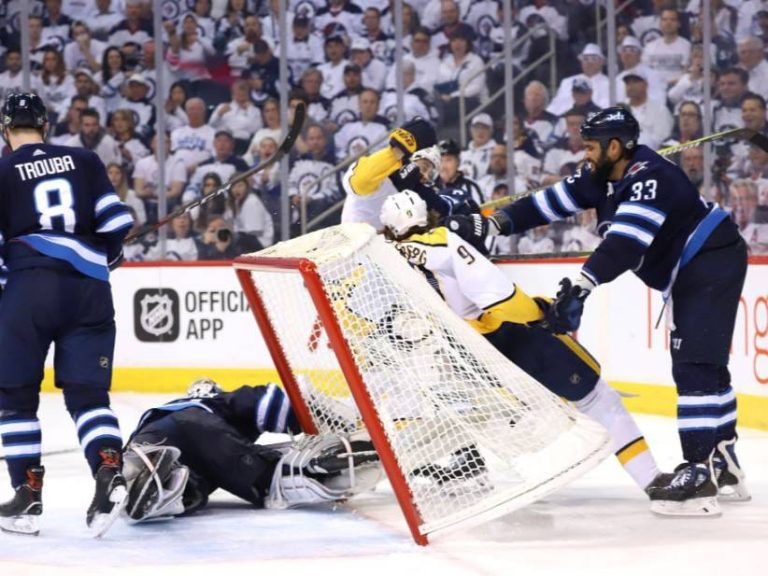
<point>604,405</point>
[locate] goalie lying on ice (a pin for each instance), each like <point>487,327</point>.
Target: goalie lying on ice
<point>184,450</point>
<point>476,290</point>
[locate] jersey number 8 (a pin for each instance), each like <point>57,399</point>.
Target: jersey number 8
<point>55,205</point>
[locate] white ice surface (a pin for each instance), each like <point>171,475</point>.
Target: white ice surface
<point>599,524</point>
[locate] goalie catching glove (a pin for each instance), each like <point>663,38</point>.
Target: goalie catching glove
<point>564,313</point>
<point>476,228</point>
<point>413,135</point>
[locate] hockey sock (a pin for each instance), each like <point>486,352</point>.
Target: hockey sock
<point>20,431</point>
<point>97,428</point>
<point>274,412</point>
<point>727,428</point>
<point>604,404</point>
<point>706,410</point>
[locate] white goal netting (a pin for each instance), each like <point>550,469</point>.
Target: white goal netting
<point>472,435</point>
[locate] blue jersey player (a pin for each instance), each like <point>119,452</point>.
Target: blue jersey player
<point>654,222</point>
<point>63,225</point>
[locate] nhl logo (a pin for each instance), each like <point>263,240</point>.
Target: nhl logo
<point>156,315</point>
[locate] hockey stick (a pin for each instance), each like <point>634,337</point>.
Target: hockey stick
<point>747,134</point>
<point>51,453</point>
<point>285,147</point>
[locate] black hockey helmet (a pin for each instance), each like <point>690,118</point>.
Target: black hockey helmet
<point>614,122</point>
<point>449,148</point>
<point>24,110</point>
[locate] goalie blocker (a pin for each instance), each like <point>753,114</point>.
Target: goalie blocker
<point>184,450</point>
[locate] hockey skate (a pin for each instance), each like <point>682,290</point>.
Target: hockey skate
<point>690,492</point>
<point>111,494</point>
<point>728,472</point>
<point>19,514</point>
<point>464,473</point>
<point>156,482</point>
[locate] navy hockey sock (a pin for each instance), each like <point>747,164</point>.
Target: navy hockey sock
<point>705,410</point>
<point>97,428</point>
<point>20,431</point>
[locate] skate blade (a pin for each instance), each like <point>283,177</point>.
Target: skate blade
<point>737,493</point>
<point>101,523</point>
<point>696,507</point>
<point>24,524</point>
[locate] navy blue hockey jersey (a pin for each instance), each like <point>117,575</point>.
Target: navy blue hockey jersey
<point>59,202</point>
<point>650,220</point>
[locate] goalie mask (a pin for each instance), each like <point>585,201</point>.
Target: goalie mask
<point>203,388</point>
<point>403,211</point>
<point>432,156</point>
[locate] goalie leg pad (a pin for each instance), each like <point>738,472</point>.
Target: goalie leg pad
<point>156,481</point>
<point>325,468</point>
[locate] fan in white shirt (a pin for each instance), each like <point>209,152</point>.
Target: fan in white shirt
<point>240,116</point>
<point>355,138</point>
<point>592,61</point>
<point>630,54</point>
<point>10,80</point>
<point>193,144</point>
<point>146,174</point>
<point>248,215</point>
<point>752,60</point>
<point>333,68</point>
<point>670,54</point>
<point>374,71</point>
<point>654,117</point>
<point>476,158</point>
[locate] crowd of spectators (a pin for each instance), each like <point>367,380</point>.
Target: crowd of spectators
<point>93,62</point>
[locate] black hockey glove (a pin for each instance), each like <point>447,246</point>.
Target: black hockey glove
<point>475,228</point>
<point>413,135</point>
<point>409,177</point>
<point>564,314</point>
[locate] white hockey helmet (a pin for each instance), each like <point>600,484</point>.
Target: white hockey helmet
<point>203,388</point>
<point>432,155</point>
<point>402,211</point>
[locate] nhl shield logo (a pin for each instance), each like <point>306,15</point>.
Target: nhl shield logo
<point>156,315</point>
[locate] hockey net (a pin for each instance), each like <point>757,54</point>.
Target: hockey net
<point>361,340</point>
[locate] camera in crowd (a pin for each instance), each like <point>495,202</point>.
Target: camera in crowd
<point>224,234</point>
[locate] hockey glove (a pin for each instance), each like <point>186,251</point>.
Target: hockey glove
<point>564,315</point>
<point>410,177</point>
<point>413,135</point>
<point>475,228</point>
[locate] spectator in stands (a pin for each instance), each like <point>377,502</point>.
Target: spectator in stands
<point>119,179</point>
<point>188,53</point>
<point>224,164</point>
<point>93,137</point>
<point>111,77</point>
<point>133,28</point>
<point>104,19</point>
<point>264,73</point>
<point>528,153</point>
<point>592,60</point>
<point>214,207</point>
<point>218,241</point>
<point>754,167</point>
<point>424,58</point>
<point>123,129</point>
<point>374,70</point>
<point>567,152</point>
<point>267,182</point>
<point>84,51</point>
<point>459,67</point>
<point>630,54</point>
<point>692,163</point>
<point>304,175</point>
<point>501,245</point>
<point>450,26</point>
<point>333,68</point>
<point>753,109</point>
<point>416,100</point>
<point>497,172</point>
<point>270,23</point>
<point>38,44</point>
<point>723,43</point>
<point>251,222</point>
<point>752,59</point>
<point>690,86</point>
<point>654,117</point>
<point>744,198</point>
<point>175,114</point>
<point>55,87</point>
<point>688,126</point>
<point>732,88</point>
<point>356,138</point>
<point>239,50</point>
<point>582,235</point>
<point>536,241</point>
<point>137,88</point>
<point>669,54</point>
<point>453,181</point>
<point>647,27</point>
<point>345,106</point>
<point>239,116</point>
<point>193,143</point>
<point>542,12</point>
<point>181,243</point>
<point>318,106</point>
<point>87,88</point>
<point>132,56</point>
<point>304,48</point>
<point>270,114</point>
<point>477,156</point>
<point>341,12</point>
<point>69,126</point>
<point>382,45</point>
<point>231,25</point>
<point>202,12</point>
<point>55,23</point>
<point>148,70</point>
<point>145,178</point>
<point>537,118</point>
<point>10,80</point>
